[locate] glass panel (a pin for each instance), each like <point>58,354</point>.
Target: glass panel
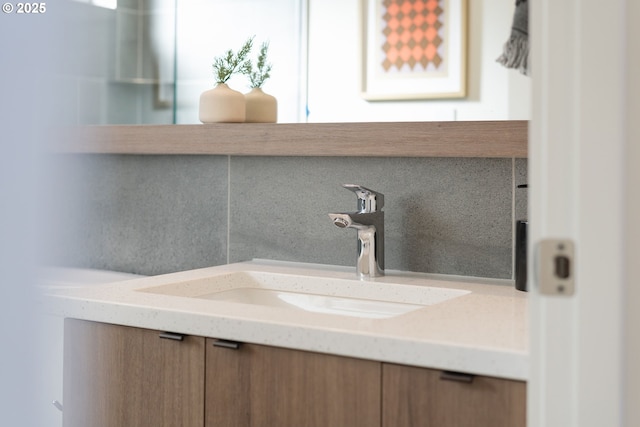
<point>124,70</point>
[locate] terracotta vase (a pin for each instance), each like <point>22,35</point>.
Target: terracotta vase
<point>222,105</point>
<point>261,107</point>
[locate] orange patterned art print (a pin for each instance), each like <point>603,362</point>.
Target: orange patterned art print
<point>414,49</point>
<point>412,35</point>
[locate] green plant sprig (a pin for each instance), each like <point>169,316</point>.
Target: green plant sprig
<point>229,64</point>
<point>258,76</point>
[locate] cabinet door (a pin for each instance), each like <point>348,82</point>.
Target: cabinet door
<point>266,386</point>
<point>431,398</point>
<point>116,376</point>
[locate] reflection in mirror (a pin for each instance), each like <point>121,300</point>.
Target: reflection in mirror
<point>148,61</point>
<point>124,52</point>
<point>208,28</point>
<point>145,56</point>
<point>335,69</point>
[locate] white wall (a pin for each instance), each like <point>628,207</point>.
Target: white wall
<point>494,92</point>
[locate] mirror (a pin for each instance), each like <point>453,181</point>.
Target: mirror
<point>147,61</point>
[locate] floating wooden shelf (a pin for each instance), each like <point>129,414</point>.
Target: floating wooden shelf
<point>379,139</point>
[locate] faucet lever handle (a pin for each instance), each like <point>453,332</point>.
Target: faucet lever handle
<point>368,200</point>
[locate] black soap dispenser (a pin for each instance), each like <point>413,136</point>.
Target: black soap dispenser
<point>521,252</point>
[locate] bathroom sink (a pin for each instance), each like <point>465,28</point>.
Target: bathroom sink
<point>364,299</point>
<point>314,303</point>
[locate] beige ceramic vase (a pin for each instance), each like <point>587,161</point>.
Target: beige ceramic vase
<point>261,107</point>
<point>222,105</point>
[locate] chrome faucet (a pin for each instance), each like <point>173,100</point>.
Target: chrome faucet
<point>369,223</point>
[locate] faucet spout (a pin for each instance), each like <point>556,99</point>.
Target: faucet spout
<point>369,224</point>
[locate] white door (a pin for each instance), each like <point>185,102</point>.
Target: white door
<point>584,187</point>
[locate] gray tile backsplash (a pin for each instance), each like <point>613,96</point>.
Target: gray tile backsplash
<point>157,214</point>
<point>441,215</point>
<point>521,194</point>
<point>140,214</point>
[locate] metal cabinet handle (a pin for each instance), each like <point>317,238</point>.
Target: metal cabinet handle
<point>57,404</point>
<point>171,336</point>
<point>233,345</point>
<point>456,376</point>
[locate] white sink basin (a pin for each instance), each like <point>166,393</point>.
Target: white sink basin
<point>315,303</point>
<point>344,297</point>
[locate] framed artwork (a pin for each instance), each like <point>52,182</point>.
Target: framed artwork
<point>413,49</point>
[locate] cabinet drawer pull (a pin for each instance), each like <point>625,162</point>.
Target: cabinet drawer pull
<point>171,336</point>
<point>456,376</point>
<point>233,345</point>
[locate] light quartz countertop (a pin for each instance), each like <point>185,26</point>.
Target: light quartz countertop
<point>482,332</point>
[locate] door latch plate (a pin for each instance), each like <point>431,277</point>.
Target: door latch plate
<point>556,267</point>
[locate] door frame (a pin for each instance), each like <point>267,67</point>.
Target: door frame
<point>581,153</point>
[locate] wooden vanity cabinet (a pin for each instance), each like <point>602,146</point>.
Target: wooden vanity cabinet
<point>116,376</point>
<point>413,397</point>
<point>254,385</point>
